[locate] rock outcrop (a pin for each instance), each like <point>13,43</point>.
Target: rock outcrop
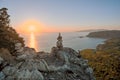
<point>61,64</point>
<point>59,42</point>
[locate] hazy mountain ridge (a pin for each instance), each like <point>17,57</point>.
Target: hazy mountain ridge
<point>105,34</point>
<point>92,30</point>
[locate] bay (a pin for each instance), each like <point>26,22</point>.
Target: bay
<point>45,41</point>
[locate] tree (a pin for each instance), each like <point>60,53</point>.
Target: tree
<point>8,35</point>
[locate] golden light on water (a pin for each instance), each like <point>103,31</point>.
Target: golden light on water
<point>32,40</point>
<point>32,28</point>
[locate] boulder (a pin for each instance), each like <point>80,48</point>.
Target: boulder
<point>26,53</point>
<point>1,60</point>
<point>35,64</point>
<point>89,70</point>
<point>7,56</point>
<point>23,74</point>
<point>2,76</point>
<point>18,47</point>
<point>9,70</point>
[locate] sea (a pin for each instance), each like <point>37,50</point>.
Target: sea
<point>75,40</point>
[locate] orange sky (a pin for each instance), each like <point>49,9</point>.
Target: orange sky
<point>50,16</point>
<point>35,26</point>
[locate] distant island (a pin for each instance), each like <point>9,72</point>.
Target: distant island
<point>92,30</point>
<point>105,34</point>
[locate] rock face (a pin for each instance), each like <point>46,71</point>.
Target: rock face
<point>61,64</point>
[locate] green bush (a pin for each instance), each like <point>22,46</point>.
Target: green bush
<point>105,62</point>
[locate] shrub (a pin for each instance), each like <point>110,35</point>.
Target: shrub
<point>8,35</point>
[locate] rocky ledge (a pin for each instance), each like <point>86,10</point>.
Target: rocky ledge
<point>61,63</point>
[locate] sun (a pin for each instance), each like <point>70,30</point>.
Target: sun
<point>32,28</point>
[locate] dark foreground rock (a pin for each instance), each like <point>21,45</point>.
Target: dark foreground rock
<point>65,64</point>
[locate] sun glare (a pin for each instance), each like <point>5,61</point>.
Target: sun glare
<point>32,28</point>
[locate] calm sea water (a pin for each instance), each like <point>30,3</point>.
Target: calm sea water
<point>45,41</point>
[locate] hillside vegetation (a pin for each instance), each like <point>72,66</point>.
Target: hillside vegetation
<point>105,60</point>
<point>105,34</point>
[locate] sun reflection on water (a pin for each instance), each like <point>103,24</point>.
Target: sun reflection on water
<point>33,41</point>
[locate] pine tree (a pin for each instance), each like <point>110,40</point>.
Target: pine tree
<point>8,35</point>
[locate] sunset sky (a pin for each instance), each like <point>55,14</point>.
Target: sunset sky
<point>64,15</point>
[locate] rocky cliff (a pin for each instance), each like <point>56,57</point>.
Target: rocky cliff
<point>64,64</point>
